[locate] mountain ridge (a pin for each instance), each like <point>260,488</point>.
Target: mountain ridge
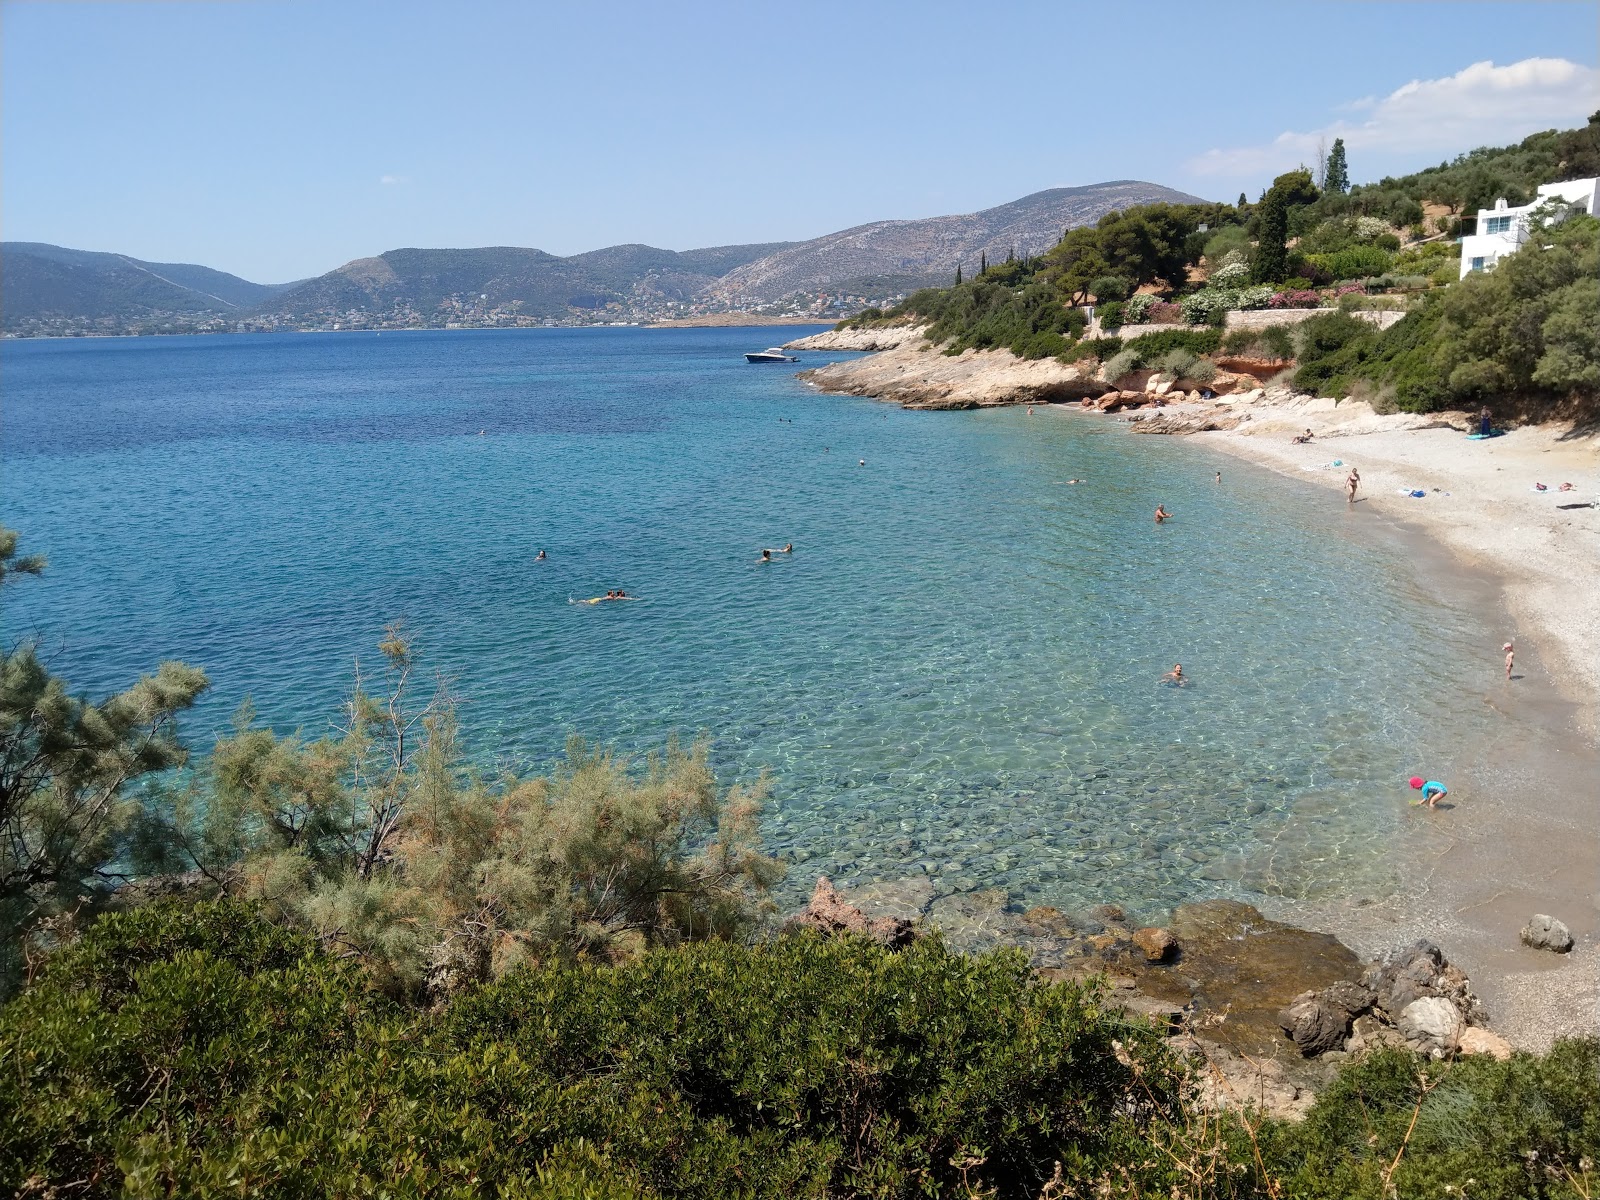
<point>53,289</point>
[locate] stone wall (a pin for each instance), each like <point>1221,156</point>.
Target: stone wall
<point>1265,318</point>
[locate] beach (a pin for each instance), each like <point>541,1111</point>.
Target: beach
<point>1523,839</point>
<point>1520,837</point>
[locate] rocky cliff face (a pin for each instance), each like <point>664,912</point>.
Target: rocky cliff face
<point>927,251</point>
<point>913,376</point>
<point>888,338</point>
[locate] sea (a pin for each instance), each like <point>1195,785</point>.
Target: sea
<point>955,675</point>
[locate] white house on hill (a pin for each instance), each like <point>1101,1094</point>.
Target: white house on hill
<point>1502,230</point>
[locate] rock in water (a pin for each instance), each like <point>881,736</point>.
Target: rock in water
<point>1547,933</point>
<point>1157,944</point>
<point>827,913</point>
<point>1432,1026</point>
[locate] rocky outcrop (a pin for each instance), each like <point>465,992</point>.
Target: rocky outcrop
<point>914,377</point>
<point>829,914</point>
<point>888,337</point>
<point>1318,1022</point>
<point>1415,971</point>
<point>1547,933</point>
<point>1432,1026</point>
<point>1186,421</point>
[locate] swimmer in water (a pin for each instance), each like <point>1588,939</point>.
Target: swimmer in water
<point>1161,513</point>
<point>1219,476</point>
<point>788,548</point>
<point>863,462</point>
<point>540,557</point>
<point>766,556</point>
<point>1176,676</point>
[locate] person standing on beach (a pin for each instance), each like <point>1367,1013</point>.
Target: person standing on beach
<point>1485,422</point>
<point>1511,654</point>
<point>1351,483</point>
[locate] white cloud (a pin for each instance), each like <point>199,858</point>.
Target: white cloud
<point>392,179</point>
<point>1481,105</point>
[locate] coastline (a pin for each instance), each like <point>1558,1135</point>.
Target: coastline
<point>1523,839</point>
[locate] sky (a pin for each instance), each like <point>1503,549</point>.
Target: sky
<point>277,140</point>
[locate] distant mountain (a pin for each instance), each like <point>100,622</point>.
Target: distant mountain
<point>496,277</point>
<point>39,281</point>
<point>917,253</point>
<point>52,290</point>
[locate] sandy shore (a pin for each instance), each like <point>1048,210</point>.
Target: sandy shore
<point>1524,835</point>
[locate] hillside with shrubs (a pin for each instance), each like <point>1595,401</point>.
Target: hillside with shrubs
<point>1523,336</point>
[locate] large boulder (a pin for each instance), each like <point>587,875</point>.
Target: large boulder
<point>1320,1021</point>
<point>1414,972</point>
<point>1547,933</point>
<point>1432,1026</point>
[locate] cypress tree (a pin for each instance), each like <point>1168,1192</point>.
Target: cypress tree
<point>983,261</point>
<point>958,274</point>
<point>1243,201</point>
<point>1337,176</point>
<point>1272,238</point>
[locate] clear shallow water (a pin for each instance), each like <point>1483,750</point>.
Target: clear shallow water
<point>956,673</point>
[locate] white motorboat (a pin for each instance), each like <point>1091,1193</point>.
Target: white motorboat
<point>772,354</point>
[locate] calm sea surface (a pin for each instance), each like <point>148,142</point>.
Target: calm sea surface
<point>955,674</point>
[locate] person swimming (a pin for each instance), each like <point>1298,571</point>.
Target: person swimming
<point>1176,677</point>
<point>788,548</point>
<point>540,557</point>
<point>1161,514</point>
<point>766,556</point>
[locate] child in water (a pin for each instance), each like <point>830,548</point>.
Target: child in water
<point>1432,791</point>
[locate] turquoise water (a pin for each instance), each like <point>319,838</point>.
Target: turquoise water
<point>956,674</point>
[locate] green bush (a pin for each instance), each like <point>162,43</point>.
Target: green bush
<point>1353,262</point>
<point>1393,1124</point>
<point>192,1053</point>
<point>1110,314</point>
<point>1152,346</point>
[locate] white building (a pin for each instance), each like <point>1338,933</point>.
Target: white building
<point>1502,230</point>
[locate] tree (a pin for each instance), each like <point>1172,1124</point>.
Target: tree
<point>1290,189</point>
<point>958,274</point>
<point>381,843</point>
<point>1244,201</point>
<point>1336,172</point>
<point>983,261</point>
<point>70,832</point>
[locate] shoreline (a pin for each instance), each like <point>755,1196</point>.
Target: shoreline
<point>1523,839</point>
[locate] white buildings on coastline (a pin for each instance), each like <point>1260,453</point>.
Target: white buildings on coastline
<point>1501,230</point>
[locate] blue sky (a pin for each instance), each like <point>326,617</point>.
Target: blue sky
<point>277,140</point>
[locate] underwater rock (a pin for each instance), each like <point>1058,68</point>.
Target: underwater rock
<point>829,914</point>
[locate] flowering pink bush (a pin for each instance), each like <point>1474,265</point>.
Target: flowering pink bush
<point>1296,299</point>
<point>1344,289</point>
